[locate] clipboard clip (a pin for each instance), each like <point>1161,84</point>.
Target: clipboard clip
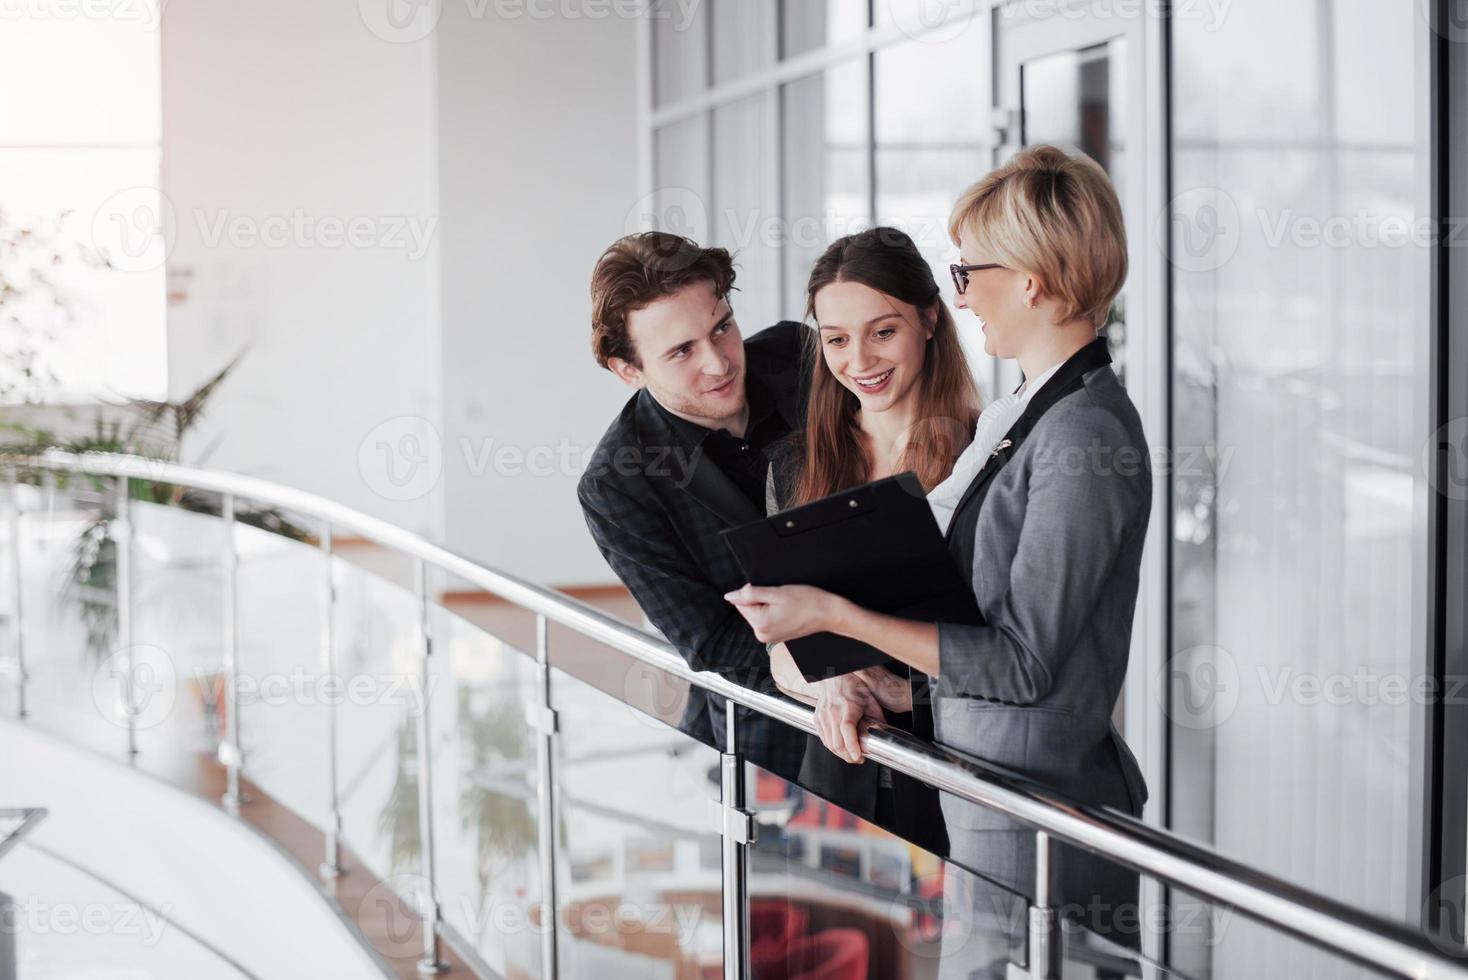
<point>852,503</point>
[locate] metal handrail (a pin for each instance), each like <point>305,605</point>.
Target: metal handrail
<point>28,817</point>
<point>1314,918</point>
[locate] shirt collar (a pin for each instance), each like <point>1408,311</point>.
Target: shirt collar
<point>1028,389</point>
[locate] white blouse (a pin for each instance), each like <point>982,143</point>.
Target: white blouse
<point>996,419</point>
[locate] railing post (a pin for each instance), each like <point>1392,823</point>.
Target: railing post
<point>121,532</point>
<point>737,828</point>
<point>17,621</point>
<point>229,574</point>
<point>331,864</point>
<point>1045,944</point>
<point>432,961</point>
<point>543,717</point>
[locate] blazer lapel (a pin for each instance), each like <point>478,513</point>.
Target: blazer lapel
<point>1068,379</point>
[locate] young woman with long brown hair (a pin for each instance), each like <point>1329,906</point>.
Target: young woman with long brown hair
<point>878,312</point>
<point>890,392</point>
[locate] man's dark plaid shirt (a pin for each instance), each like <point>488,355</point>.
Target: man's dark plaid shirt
<point>656,502</point>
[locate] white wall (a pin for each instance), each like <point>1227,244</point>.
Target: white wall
<point>279,113</point>
<point>538,171</point>
<point>517,136</point>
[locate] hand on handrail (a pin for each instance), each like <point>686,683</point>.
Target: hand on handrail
<point>845,706</point>
<point>893,691</point>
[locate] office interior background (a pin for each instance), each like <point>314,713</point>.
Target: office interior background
<point>381,216</point>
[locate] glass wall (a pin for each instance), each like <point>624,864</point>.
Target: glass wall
<point>931,141</point>
<point>1295,269</point>
<point>829,124</point>
<point>1296,315</point>
<point>809,25</point>
<point>746,205</point>
<point>1077,99</point>
<point>825,177</point>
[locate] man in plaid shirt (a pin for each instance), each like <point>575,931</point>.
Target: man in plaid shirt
<point>686,459</point>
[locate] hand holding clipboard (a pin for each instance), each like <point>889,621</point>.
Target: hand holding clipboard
<point>877,545</point>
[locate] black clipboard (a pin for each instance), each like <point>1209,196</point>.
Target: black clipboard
<point>878,545</point>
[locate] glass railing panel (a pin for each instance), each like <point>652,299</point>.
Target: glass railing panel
<point>378,648</point>
<point>1105,911</point>
<point>828,887</point>
<point>177,636</point>
<point>68,603</point>
<point>639,867</point>
<point>283,691</point>
<point>1109,931</point>
<point>485,812</point>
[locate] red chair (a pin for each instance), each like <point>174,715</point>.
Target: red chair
<point>832,954</point>
<point>774,925</point>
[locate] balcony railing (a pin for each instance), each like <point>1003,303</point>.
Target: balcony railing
<point>552,781</point>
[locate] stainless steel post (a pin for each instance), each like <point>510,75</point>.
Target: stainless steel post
<point>738,832</point>
<point>544,720</point>
<point>1045,945</point>
<point>17,618</point>
<point>234,758</point>
<point>331,864</point>
<point>432,961</point>
<point>121,532</point>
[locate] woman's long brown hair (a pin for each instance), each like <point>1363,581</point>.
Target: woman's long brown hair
<point>835,455</point>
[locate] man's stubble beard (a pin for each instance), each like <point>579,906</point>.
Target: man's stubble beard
<point>706,409</point>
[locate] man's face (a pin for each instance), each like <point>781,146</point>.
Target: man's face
<point>690,354</point>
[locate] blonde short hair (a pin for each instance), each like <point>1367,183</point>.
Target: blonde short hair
<point>1055,215</point>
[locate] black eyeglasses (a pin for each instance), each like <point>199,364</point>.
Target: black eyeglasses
<point>960,273</point>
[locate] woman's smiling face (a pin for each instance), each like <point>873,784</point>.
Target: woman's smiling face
<point>873,343</point>
<point>996,297</point>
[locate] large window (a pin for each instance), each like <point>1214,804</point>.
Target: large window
<point>779,128</point>
<point>1297,265</point>
<point>826,168</point>
<point>81,215</point>
<point>1299,389</point>
<point>932,141</point>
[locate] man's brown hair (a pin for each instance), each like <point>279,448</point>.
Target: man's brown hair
<point>639,269</point>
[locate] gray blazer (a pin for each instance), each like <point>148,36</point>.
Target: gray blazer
<point>1057,553</point>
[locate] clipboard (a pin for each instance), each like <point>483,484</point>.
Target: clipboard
<point>878,545</point>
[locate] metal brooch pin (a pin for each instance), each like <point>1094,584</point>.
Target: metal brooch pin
<point>1003,445</point>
